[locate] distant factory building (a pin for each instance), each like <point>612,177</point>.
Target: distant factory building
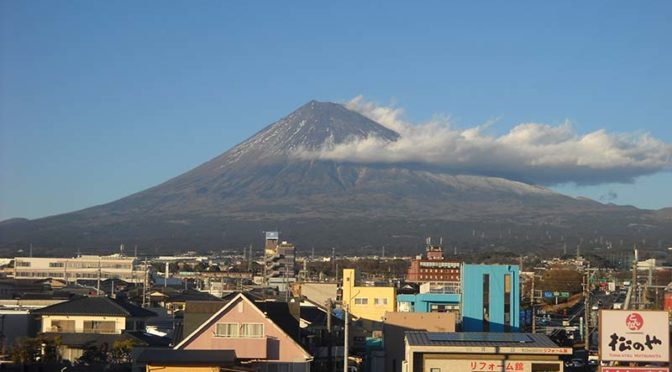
<point>84,267</point>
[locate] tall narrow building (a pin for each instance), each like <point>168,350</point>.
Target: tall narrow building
<point>280,261</point>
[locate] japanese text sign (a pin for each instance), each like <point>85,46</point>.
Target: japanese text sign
<point>634,336</point>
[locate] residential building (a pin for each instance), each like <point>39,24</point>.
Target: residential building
<point>433,267</point>
<point>395,326</point>
<point>88,321</point>
<point>83,267</point>
<point>263,334</point>
<point>366,302</point>
<point>280,261</point>
<point>481,352</point>
<point>494,298</point>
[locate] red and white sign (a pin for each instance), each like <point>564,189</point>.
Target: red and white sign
<point>634,336</point>
<point>635,369</point>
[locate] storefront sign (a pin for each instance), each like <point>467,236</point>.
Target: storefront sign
<point>634,336</point>
<point>490,365</point>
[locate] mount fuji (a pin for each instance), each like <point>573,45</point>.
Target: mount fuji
<point>263,184</point>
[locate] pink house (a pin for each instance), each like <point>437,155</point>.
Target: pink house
<point>258,341</point>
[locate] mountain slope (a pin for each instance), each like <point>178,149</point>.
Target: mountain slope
<point>260,184</point>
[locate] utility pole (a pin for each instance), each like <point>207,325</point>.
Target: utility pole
<point>98,282</point>
<point>330,336</point>
<point>165,279</point>
<point>634,283</point>
<point>586,310</point>
<point>345,341</point>
<point>534,312</point>
<point>144,287</point>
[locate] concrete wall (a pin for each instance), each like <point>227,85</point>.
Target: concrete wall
<point>318,292</point>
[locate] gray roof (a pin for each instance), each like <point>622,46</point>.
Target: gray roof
<point>424,338</point>
<point>96,306</point>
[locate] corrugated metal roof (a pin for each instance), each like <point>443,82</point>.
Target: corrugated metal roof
<point>422,338</point>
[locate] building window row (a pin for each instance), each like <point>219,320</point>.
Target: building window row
<point>380,301</point>
<point>452,271</point>
<point>240,330</point>
<point>361,301</point>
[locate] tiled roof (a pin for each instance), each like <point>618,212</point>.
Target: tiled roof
<point>192,295</point>
<point>96,306</point>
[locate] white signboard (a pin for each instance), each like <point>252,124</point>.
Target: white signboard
<point>634,336</point>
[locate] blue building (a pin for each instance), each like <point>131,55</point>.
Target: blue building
<point>491,298</point>
<point>434,297</point>
<point>428,302</point>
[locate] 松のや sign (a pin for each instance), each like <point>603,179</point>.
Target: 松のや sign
<point>634,336</point>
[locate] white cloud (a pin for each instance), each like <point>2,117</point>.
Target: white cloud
<point>532,152</point>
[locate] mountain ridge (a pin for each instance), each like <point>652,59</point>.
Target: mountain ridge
<point>259,182</point>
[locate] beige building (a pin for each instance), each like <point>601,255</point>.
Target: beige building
<point>91,321</point>
<point>78,268</point>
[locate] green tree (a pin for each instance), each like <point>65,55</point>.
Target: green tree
<point>94,356</point>
<point>121,351</point>
<point>41,349</point>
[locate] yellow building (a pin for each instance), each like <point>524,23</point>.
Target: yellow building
<point>367,302</point>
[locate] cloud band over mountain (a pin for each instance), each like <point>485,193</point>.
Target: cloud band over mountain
<point>530,152</point>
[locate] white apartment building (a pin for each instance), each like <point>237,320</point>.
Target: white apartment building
<point>85,267</point>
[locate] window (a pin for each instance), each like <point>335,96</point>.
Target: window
<point>252,330</point>
<point>63,326</point>
<point>96,326</point>
<point>226,330</point>
<point>22,264</point>
<point>380,301</point>
<point>55,264</point>
<point>361,301</point>
<point>239,330</point>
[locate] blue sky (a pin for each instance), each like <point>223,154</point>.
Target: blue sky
<point>102,99</point>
